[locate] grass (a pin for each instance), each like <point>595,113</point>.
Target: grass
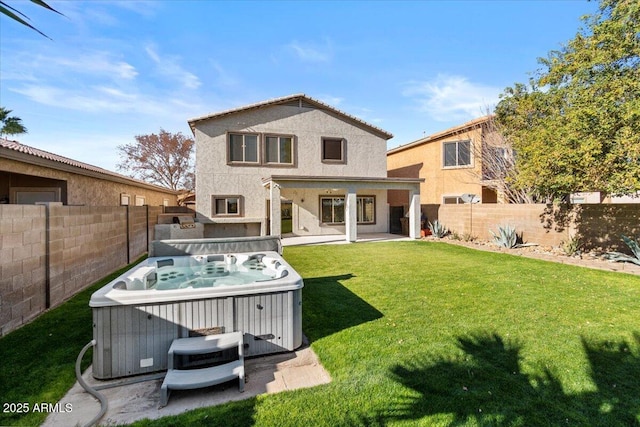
<point>425,333</point>
<point>37,361</point>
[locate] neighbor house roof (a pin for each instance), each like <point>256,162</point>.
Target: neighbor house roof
<point>301,100</point>
<point>451,131</point>
<point>35,156</point>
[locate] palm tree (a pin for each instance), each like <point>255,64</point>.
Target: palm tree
<point>20,17</point>
<point>10,125</point>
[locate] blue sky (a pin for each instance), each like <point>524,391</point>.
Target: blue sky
<point>117,69</point>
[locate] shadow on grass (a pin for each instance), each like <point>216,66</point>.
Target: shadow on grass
<point>487,387</point>
<point>330,307</point>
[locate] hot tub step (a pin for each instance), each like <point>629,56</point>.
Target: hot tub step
<point>177,379</point>
<point>183,379</point>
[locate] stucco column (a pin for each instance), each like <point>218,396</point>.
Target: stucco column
<point>414,214</point>
<point>351,215</point>
<point>275,212</point>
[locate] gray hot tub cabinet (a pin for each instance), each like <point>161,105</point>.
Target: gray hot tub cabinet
<point>134,338</point>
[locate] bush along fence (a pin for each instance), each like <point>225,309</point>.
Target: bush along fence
<point>598,227</point>
<point>48,253</point>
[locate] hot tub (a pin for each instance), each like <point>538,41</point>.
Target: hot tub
<point>138,315</point>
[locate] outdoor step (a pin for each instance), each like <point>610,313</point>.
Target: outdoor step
<point>205,344</point>
<point>187,379</point>
<point>177,379</point>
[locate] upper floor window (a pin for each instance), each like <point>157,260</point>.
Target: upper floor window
<point>334,150</point>
<point>243,148</point>
<point>457,153</point>
<point>279,150</point>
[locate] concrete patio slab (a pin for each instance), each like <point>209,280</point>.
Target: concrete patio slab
<point>129,403</point>
<point>339,239</point>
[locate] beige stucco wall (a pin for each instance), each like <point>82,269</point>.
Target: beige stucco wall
<point>87,190</point>
<point>366,155</point>
<point>426,161</point>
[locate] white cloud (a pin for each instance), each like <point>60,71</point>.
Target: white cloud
<point>169,66</point>
<point>452,98</point>
<point>103,99</point>
<point>97,63</point>
<point>309,52</point>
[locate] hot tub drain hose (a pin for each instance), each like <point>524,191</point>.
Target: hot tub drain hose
<point>88,388</point>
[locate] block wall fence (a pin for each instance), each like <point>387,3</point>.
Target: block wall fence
<point>598,226</point>
<point>50,253</point>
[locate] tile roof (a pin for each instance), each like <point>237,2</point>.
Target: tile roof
<point>17,147</point>
<point>451,131</point>
<point>286,99</point>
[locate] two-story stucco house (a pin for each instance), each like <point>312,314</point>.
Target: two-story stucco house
<point>449,161</point>
<point>294,165</point>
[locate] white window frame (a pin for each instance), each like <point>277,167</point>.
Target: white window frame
<point>458,200</point>
<point>457,160</point>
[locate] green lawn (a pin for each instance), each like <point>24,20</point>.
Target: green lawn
<point>425,333</point>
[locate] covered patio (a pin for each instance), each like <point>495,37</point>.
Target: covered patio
<point>352,187</point>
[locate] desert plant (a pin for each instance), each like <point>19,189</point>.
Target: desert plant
<point>468,237</point>
<point>506,237</point>
<point>571,246</point>
<point>634,245</point>
<point>437,229</point>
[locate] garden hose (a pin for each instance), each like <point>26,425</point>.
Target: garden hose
<point>88,388</point>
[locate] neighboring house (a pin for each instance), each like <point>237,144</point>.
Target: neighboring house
<point>451,163</point>
<point>448,161</point>
<point>29,175</point>
<point>294,165</point>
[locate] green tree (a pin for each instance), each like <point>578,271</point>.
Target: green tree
<point>11,125</point>
<point>576,125</point>
<point>164,159</point>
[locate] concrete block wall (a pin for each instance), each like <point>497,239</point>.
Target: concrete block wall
<point>22,260</point>
<point>599,226</point>
<point>142,221</point>
<point>602,226</point>
<point>84,244</point>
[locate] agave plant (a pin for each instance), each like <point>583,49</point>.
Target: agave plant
<point>572,246</point>
<point>506,237</point>
<point>634,245</point>
<point>437,229</point>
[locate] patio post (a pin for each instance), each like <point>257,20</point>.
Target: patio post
<point>275,212</point>
<point>414,214</point>
<point>351,215</point>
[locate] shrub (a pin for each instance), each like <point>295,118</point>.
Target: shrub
<point>572,246</point>
<point>437,229</point>
<point>634,245</point>
<point>506,237</point>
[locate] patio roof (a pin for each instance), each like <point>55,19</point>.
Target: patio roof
<point>351,185</point>
<point>382,183</point>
